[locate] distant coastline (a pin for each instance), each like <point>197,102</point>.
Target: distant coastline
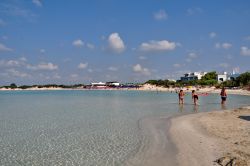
<point>144,87</point>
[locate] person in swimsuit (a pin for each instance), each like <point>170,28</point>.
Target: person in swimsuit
<point>194,97</point>
<point>223,95</point>
<point>181,97</point>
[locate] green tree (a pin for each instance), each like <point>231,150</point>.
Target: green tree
<point>13,86</point>
<point>210,76</point>
<point>243,79</point>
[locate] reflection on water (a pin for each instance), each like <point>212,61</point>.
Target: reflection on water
<point>224,107</point>
<point>195,108</point>
<point>181,106</point>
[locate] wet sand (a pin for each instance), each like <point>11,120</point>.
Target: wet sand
<point>213,138</point>
<point>157,148</point>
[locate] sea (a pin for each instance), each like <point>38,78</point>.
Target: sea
<point>88,127</point>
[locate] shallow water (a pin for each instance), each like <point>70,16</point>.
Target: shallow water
<point>86,127</point>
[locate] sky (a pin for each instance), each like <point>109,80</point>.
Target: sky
<point>84,41</point>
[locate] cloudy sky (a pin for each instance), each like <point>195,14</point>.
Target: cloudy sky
<point>83,41</point>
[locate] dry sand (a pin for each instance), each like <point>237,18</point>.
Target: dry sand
<point>148,87</point>
<point>206,139</point>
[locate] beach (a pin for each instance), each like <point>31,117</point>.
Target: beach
<point>212,138</point>
<point>146,87</point>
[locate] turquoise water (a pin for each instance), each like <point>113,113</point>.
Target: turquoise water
<point>85,127</point>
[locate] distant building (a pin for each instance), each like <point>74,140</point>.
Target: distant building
<point>113,83</point>
<point>98,84</point>
<point>104,85</point>
<point>224,76</point>
<point>193,76</point>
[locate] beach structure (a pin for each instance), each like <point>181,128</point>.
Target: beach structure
<point>193,76</point>
<point>98,85</point>
<point>113,84</point>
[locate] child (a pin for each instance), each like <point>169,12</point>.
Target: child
<point>181,97</point>
<point>223,95</point>
<point>194,97</point>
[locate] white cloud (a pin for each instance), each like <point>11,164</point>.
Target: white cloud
<point>226,45</point>
<point>9,63</point>
<point>16,73</point>
<point>43,66</point>
<point>223,45</point>
<point>116,44</point>
<point>4,48</point>
<point>245,51</point>
<point>162,45</point>
<point>212,35</point>
<point>23,59</point>
<point>142,57</point>
<point>160,15</point>
<point>90,46</point>
<point>139,69</point>
<point>78,43</point>
<point>224,65</point>
<point>37,3</point>
<point>192,55</point>
<point>42,51</point>
<point>13,10</point>
<point>82,65</point>
<point>111,68</point>
<point>177,65</point>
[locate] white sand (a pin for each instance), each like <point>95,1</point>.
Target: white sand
<point>205,137</point>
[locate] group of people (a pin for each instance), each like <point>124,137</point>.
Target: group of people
<point>195,97</point>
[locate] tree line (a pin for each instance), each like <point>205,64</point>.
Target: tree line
<point>209,79</point>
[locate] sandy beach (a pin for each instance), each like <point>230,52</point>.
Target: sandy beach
<point>148,87</point>
<point>213,138</point>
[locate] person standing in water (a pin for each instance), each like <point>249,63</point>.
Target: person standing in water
<point>181,97</point>
<point>223,95</point>
<point>194,97</point>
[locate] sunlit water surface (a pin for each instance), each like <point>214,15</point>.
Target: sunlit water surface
<point>85,127</point>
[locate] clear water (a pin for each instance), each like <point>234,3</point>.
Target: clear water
<point>85,127</point>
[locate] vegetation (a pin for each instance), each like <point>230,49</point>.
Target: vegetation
<point>209,79</point>
<point>164,83</point>
<point>13,86</point>
<point>243,79</point>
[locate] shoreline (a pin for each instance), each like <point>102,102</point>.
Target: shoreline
<point>221,136</point>
<point>146,87</point>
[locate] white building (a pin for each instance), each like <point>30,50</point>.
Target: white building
<point>222,77</point>
<point>193,76</point>
<point>113,83</point>
<point>98,84</point>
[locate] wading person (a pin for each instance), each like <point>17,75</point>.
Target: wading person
<point>223,95</point>
<point>181,97</point>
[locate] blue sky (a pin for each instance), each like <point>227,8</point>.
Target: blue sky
<point>83,41</point>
